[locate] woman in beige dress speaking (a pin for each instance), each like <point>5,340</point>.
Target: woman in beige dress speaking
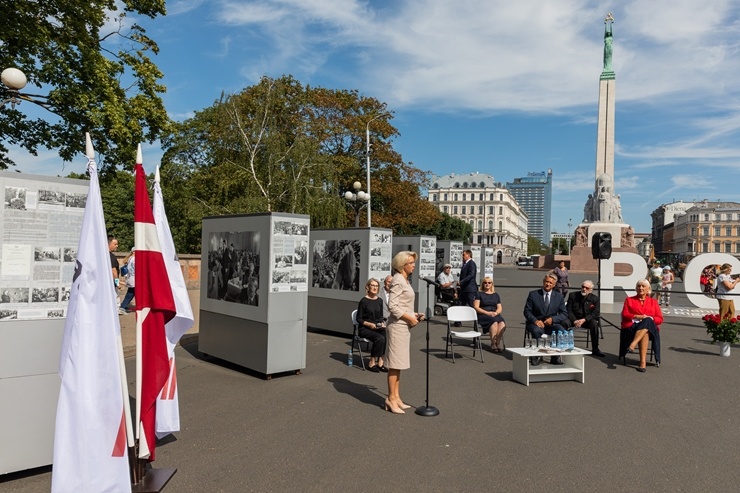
<point>398,331</point>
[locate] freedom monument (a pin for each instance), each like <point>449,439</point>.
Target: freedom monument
<point>603,211</point>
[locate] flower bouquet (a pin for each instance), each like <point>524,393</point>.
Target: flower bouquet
<point>722,330</point>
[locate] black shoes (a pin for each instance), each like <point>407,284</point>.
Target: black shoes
<point>629,350</point>
<point>535,361</point>
<point>598,353</point>
<point>383,369</point>
<point>374,369</point>
<point>642,370</point>
<point>556,360</point>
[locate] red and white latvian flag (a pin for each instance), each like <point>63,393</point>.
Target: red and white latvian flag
<point>155,307</point>
<point>90,438</point>
<point>168,408</point>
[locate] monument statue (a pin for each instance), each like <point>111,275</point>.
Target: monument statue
<point>608,23</point>
<point>588,214</point>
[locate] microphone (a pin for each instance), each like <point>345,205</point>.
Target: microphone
<point>429,280</point>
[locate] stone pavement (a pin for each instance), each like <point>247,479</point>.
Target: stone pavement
<point>671,429</point>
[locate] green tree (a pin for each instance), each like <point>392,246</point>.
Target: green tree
<point>98,79</point>
<point>534,245</point>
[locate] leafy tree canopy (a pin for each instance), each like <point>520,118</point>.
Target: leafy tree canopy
<point>98,78</point>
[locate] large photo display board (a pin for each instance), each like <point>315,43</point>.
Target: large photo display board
<point>40,231</point>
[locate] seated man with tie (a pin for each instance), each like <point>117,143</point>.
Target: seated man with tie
<point>545,313</point>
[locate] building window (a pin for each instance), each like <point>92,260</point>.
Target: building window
<point>464,196</point>
<point>472,197</point>
<point>490,196</point>
<point>490,227</point>
<point>705,230</point>
<point>717,231</point>
<point>480,197</point>
<point>444,209</point>
<point>728,230</point>
<point>706,217</point>
<point>500,226</point>
<point>463,210</point>
<point>729,217</point>
<point>480,210</point>
<point>434,197</point>
<point>501,197</point>
<point>716,247</point>
<point>705,247</point>
<point>480,227</point>
<point>454,197</point>
<point>457,184</point>
<point>445,197</point>
<point>490,211</point>
<point>465,185</point>
<point>693,231</point>
<point>737,247</point>
<point>728,247</point>
<point>454,209</point>
<point>500,210</point>
<point>718,217</point>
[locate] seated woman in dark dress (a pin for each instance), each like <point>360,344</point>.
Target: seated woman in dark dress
<point>641,319</point>
<point>487,304</point>
<point>372,325</point>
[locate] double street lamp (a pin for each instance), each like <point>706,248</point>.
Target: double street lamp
<point>13,83</point>
<point>357,200</point>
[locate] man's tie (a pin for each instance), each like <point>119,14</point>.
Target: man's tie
<point>547,300</point>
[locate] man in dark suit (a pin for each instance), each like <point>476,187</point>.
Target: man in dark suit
<point>545,313</point>
<point>583,312</point>
<point>467,283</point>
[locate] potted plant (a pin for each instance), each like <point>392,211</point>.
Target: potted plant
<point>725,331</point>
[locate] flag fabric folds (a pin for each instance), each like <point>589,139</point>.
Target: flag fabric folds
<point>155,307</point>
<point>89,438</point>
<point>168,408</point>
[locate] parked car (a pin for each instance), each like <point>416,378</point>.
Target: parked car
<point>524,261</point>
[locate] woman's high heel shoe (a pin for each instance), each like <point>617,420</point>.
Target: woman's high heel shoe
<point>395,410</point>
<point>404,406</point>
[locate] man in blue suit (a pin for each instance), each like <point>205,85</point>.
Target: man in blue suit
<point>468,286</point>
<point>545,313</point>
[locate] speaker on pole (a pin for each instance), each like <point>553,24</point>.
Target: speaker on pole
<point>601,245</point>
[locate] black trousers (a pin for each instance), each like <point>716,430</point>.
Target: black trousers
<point>377,338</point>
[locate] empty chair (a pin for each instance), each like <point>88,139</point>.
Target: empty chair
<point>464,315</point>
<point>357,341</point>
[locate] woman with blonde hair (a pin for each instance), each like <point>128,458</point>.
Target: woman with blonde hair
<point>487,304</point>
<point>398,330</point>
<point>641,317</point>
<point>371,324</point>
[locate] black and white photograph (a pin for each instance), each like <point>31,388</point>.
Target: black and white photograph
<point>283,261</point>
<point>8,314</point>
<point>298,276</point>
<point>427,243</point>
<point>56,313</point>
<point>76,200</point>
<point>14,295</point>
<point>280,276</point>
<point>382,237</point>
<point>283,228</point>
<point>15,198</point>
<point>301,253</point>
<point>440,261</point>
<point>300,229</point>
<point>380,267</point>
<point>70,254</point>
<point>233,267</point>
<point>45,295</point>
<point>47,254</point>
<point>50,198</point>
<point>376,252</point>
<point>336,264</point>
<point>65,294</point>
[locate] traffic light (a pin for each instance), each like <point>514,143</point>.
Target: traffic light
<point>601,245</point>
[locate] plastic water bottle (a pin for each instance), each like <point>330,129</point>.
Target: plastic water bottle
<point>553,340</point>
<point>571,339</point>
<point>349,358</point>
<point>561,340</point>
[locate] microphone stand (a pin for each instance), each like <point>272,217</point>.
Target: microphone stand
<point>428,410</point>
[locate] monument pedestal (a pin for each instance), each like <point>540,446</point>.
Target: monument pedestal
<point>581,257</point>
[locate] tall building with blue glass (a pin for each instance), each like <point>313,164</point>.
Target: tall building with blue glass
<point>534,194</point>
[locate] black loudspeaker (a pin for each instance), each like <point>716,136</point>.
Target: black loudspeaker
<point>601,245</point>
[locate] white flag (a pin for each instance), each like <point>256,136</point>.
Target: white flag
<point>168,408</point>
<point>90,436</point>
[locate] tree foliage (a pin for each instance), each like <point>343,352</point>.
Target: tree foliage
<point>98,78</point>
<point>534,246</point>
<point>278,146</point>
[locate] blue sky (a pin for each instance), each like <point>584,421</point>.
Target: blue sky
<point>493,86</point>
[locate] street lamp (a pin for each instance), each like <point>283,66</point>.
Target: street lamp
<point>357,200</point>
<point>13,82</point>
<point>570,225</point>
<point>367,155</point>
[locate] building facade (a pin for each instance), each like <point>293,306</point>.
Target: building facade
<point>534,194</point>
<point>707,227</point>
<point>497,219</point>
<point>663,216</point>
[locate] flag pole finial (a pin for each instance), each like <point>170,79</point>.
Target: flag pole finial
<point>156,175</point>
<point>139,159</point>
<point>89,152</point>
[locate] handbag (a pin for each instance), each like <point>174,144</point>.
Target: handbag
<point>124,270</point>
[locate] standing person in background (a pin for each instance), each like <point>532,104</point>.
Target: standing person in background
<point>398,330</point>
<point>130,263</point>
<point>562,272</point>
<point>655,276</point>
<point>468,287</point>
<point>725,284</point>
<point>115,269</point>
<point>668,279</point>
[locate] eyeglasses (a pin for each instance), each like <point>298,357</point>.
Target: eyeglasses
<point>585,287</point>
<point>487,283</point>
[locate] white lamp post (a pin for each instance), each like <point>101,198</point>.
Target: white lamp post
<point>13,82</point>
<point>570,225</point>
<point>367,155</point>
<point>357,200</point>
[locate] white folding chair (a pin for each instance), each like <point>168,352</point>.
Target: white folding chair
<point>357,340</point>
<point>463,314</point>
